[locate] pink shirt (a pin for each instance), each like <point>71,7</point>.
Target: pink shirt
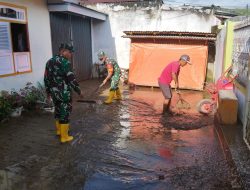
<point>166,75</point>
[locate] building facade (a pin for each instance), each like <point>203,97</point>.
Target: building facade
<point>145,16</point>
<point>31,32</point>
<point>25,42</point>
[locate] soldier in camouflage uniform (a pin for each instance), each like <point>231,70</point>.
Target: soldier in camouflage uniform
<point>114,73</point>
<point>59,80</point>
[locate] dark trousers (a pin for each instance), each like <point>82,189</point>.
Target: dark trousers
<point>62,111</point>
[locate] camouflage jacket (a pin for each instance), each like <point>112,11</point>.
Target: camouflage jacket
<point>59,79</point>
<point>113,65</point>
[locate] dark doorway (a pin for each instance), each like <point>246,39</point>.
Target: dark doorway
<point>67,28</point>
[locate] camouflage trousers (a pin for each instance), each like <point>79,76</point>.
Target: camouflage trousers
<point>62,111</point>
<point>115,82</point>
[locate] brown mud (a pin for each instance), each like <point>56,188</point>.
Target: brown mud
<point>129,144</point>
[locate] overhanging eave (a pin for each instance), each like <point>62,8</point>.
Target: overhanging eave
<point>71,8</point>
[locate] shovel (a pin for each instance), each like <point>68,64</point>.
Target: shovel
<point>89,100</point>
<point>182,104</point>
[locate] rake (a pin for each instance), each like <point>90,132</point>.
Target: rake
<point>182,104</point>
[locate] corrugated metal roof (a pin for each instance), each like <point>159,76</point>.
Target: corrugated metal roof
<point>170,35</point>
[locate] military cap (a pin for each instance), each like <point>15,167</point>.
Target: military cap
<point>66,46</point>
<point>101,54</point>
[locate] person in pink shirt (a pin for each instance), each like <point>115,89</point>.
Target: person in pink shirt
<point>169,73</point>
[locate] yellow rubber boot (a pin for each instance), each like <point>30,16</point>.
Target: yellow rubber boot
<point>64,133</point>
<point>118,95</point>
<point>110,97</point>
<point>58,130</point>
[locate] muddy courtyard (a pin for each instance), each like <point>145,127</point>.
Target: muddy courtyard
<point>129,144</point>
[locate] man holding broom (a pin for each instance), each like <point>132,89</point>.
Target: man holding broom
<point>169,73</point>
<point>114,73</point>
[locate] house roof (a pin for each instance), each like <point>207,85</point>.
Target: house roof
<point>107,1</point>
<point>170,35</point>
<point>77,9</point>
<point>224,14</point>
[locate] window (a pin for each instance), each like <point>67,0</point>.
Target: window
<point>14,41</point>
<point>12,12</point>
<point>19,37</point>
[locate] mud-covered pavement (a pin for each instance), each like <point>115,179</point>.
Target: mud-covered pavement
<point>125,145</point>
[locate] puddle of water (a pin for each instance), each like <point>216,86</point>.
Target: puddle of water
<point>126,145</point>
<point>107,182</point>
<point>149,149</point>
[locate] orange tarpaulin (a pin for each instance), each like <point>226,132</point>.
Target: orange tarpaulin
<point>147,60</point>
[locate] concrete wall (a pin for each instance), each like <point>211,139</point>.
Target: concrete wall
<point>228,52</point>
<point>40,43</point>
<point>228,49</point>
<point>107,35</point>
<point>102,39</point>
<point>240,59</point>
<point>233,47</point>
<point>219,55</point>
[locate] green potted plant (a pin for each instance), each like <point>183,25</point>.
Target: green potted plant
<point>30,96</point>
<point>5,105</point>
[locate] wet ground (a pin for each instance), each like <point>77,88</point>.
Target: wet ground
<point>125,145</point>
